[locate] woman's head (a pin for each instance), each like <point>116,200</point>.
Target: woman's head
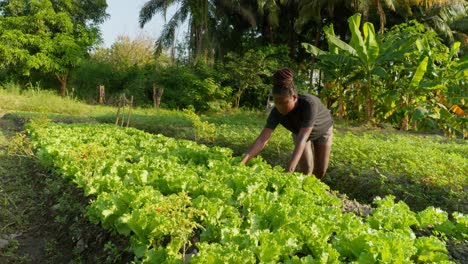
<point>283,83</point>
<point>284,91</point>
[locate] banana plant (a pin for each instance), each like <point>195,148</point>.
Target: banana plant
<point>449,88</point>
<point>360,62</point>
<point>410,96</point>
<point>434,90</point>
<point>336,68</point>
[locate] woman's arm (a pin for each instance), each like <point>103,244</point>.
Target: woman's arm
<point>299,148</point>
<point>258,145</point>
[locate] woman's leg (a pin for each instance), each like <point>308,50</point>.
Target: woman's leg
<point>306,163</point>
<point>321,159</point>
<point>322,150</point>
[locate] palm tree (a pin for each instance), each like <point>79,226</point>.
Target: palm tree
<point>435,14</point>
<point>366,7</point>
<point>296,21</point>
<point>167,38</point>
<point>196,11</point>
<point>441,16</point>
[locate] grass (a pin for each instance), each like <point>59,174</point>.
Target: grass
<point>41,101</point>
<point>422,170</point>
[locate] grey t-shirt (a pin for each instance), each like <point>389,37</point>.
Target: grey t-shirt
<point>308,112</point>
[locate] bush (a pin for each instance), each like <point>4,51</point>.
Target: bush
<point>184,87</point>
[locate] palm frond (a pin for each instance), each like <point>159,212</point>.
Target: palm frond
<point>440,26</point>
<point>452,12</point>
<point>166,38</point>
<point>152,7</point>
<point>441,16</point>
<point>390,4</point>
<point>242,11</point>
<point>396,47</point>
<point>308,11</point>
<point>460,25</point>
<point>273,13</point>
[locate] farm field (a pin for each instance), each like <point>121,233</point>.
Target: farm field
<point>366,162</point>
<point>433,167</point>
<point>121,145</point>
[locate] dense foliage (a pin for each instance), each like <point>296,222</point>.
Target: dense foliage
<point>47,38</point>
<point>218,27</point>
<point>176,197</point>
<point>401,77</point>
<point>178,201</point>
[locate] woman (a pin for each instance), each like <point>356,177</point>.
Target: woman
<point>309,121</point>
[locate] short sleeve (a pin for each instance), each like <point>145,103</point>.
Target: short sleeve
<point>273,119</point>
<point>309,114</point>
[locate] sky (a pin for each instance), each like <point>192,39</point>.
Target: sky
<point>123,20</point>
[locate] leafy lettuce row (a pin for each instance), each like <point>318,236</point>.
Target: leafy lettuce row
<point>179,201</point>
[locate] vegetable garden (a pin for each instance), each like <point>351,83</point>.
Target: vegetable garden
<point>179,201</point>
<point>171,189</point>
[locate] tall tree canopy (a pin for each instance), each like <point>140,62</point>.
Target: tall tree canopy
<point>217,27</point>
<point>48,36</point>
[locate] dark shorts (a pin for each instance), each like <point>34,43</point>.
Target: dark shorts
<point>324,139</point>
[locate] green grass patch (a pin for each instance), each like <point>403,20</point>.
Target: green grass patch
<point>421,170</point>
<point>41,101</point>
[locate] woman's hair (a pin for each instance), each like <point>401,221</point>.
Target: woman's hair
<point>283,84</point>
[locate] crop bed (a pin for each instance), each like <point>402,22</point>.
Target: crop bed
<point>181,201</point>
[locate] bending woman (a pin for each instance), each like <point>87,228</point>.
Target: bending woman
<point>310,122</point>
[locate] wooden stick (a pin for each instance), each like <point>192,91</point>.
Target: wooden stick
<point>124,102</point>
<point>130,110</point>
<point>118,113</point>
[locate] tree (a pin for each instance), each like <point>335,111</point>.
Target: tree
<point>293,22</point>
<point>126,53</point>
<point>439,15</point>
<point>251,71</point>
<point>50,37</point>
<point>128,65</point>
<point>361,56</point>
<point>407,74</point>
<point>200,25</point>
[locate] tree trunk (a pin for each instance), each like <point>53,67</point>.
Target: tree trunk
<point>157,94</point>
<point>369,100</point>
<point>312,62</point>
<point>237,98</point>
<point>173,48</point>
<point>381,13</point>
<point>405,123</point>
<point>341,107</point>
<point>292,39</point>
<point>199,46</point>
<point>102,94</point>
<point>63,84</point>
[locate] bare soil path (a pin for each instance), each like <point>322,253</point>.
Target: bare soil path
<point>27,232</point>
